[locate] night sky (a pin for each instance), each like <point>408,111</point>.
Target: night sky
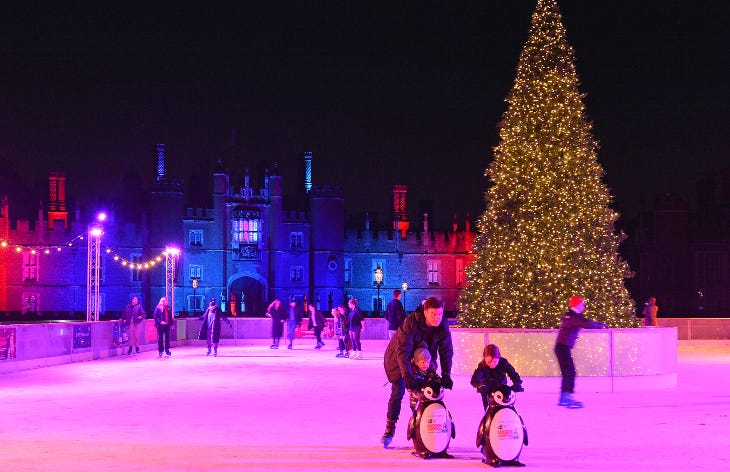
<point>381,92</point>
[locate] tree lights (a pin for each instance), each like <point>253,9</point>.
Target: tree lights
<point>548,231</point>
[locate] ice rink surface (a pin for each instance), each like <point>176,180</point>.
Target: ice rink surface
<point>252,408</point>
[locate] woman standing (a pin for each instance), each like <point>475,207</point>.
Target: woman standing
<point>276,313</point>
<point>163,321</point>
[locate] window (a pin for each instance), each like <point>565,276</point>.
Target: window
<point>348,271</point>
<point>433,272</point>
<point>710,266</point>
<point>31,303</point>
<point>378,305</point>
<point>246,225</point>
<point>195,237</point>
<point>196,271</point>
<point>195,303</point>
<point>296,273</point>
<point>134,269</point>
<point>30,266</point>
<point>459,272</point>
<point>296,239</point>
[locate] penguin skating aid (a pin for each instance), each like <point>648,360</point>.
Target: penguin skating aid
<point>431,427</point>
<point>501,432</point>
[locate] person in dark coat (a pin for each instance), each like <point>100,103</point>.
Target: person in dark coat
<point>133,317</point>
<point>423,372</point>
<point>492,371</point>
<point>293,315</point>
<point>210,331</point>
<point>163,322</point>
<point>425,328</point>
<point>571,323</point>
<point>277,313</point>
<point>316,323</point>
<point>356,322</point>
<point>394,313</point>
<point>342,331</point>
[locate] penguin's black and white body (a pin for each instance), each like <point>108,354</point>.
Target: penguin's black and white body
<point>502,432</point>
<point>431,426</point>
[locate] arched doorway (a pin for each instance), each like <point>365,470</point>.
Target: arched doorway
<point>247,297</point>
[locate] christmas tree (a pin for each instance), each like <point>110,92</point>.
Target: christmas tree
<point>548,231</point>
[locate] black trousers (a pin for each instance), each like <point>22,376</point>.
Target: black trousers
<point>397,391</point>
<point>163,338</point>
<point>318,333</point>
<point>567,368</point>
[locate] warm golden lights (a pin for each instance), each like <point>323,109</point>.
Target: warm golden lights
<point>548,231</point>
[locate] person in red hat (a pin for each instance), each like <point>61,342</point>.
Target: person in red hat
<point>570,325</point>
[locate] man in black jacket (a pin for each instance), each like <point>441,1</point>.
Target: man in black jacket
<point>394,313</point>
<point>427,329</point>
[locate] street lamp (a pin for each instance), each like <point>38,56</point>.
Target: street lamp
<point>379,281</point>
<point>404,289</point>
<point>195,299</point>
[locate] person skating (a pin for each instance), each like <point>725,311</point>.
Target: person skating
<point>571,323</point>
<point>493,371</point>
<point>210,331</point>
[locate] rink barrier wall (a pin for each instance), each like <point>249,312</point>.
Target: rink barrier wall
<point>611,359</point>
<point>606,360</point>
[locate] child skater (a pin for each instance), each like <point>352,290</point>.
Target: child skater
<point>493,371</point>
<point>341,331</point>
<point>422,372</point>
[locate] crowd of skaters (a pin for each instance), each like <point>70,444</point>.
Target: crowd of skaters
<point>419,343</point>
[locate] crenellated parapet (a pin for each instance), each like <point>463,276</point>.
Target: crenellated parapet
<point>413,242</point>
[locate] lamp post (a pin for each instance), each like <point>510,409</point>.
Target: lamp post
<point>379,281</point>
<point>195,299</point>
<point>404,289</point>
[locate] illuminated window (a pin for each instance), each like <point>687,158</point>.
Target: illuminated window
<point>296,273</point>
<point>30,266</point>
<point>195,237</point>
<point>433,272</point>
<point>296,239</point>
<point>246,226</point>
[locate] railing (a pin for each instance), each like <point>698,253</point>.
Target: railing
<point>693,330</point>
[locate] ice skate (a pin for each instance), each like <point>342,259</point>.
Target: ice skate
<point>388,434</point>
<point>567,400</point>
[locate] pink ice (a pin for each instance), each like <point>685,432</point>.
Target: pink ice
<point>252,408</point>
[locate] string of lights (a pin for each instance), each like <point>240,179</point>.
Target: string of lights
<point>80,240</point>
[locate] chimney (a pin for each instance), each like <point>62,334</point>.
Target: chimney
<point>160,162</point>
<point>307,171</point>
<point>400,211</point>
<point>56,199</point>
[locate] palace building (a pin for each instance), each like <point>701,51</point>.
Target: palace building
<point>253,244</point>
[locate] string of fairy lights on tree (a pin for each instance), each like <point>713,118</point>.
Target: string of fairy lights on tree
<point>548,231</point>
<point>115,255</point>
